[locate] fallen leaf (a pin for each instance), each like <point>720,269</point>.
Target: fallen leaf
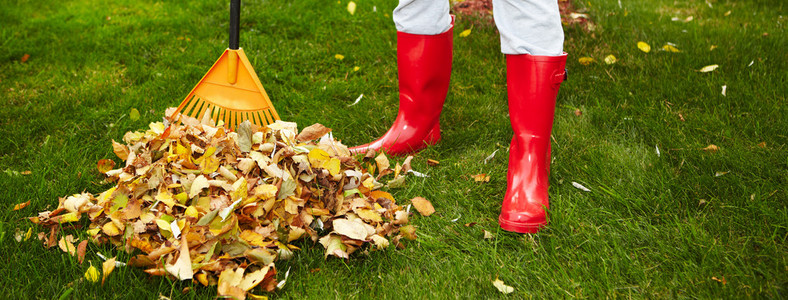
<point>762,145</point>
<point>643,46</point>
<point>244,131</point>
<point>727,13</point>
<point>409,232</point>
<point>578,112</point>
<point>724,89</point>
<point>339,56</point>
<point>711,148</point>
<point>471,224</point>
<point>433,162</point>
<point>182,268</point>
<point>720,280</point>
<point>25,57</point>
<point>465,33</point>
<point>120,150</point>
<point>481,178</point>
<point>28,172</point>
<point>312,132</point>
<point>670,48</point>
<point>134,114</point>
<point>351,7</point>
<point>106,269</point>
<point>708,68</point>
<point>92,274</point>
<point>352,229</point>
<point>67,246</point>
<point>356,68</point>
<point>580,186</point>
<point>423,206</point>
<point>502,287</point>
<point>488,235</point>
<point>489,157</point>
<point>585,60</point>
<point>105,165</point>
<point>21,205</point>
<point>81,249</point>
<point>610,59</point>
<point>720,173</point>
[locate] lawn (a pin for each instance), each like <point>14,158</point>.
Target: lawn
<point>667,216</point>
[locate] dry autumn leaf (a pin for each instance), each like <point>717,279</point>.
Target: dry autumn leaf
<point>481,178</point>
<point>105,165</point>
<point>21,205</point>
<point>610,59</point>
<point>670,48</point>
<point>106,269</point>
<point>465,33</point>
<point>423,206</point>
<point>711,148</point>
<point>351,7</point>
<point>585,60</point>
<point>502,287</point>
<point>25,57</point>
<point>708,68</point>
<point>134,114</point>
<point>339,56</point>
<point>92,274</point>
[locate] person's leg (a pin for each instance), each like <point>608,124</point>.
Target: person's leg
<point>532,39</point>
<point>424,54</point>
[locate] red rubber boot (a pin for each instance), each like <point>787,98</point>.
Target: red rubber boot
<point>532,86</point>
<point>424,66</point>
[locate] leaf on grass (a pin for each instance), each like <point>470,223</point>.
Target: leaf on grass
<point>409,232</point>
<point>720,173</point>
<point>724,90</point>
<point>585,60</point>
<point>670,48</point>
<point>465,33</point>
<point>502,287</point>
<point>104,165</point>
<point>488,235</point>
<point>106,269</point>
<point>66,244</point>
<point>433,162</point>
<point>351,7</point>
<point>643,46</point>
<point>481,177</point>
<point>92,274</point>
<point>25,57</point>
<point>720,280</point>
<point>423,206</point>
<point>21,205</point>
<point>580,186</point>
<point>334,246</point>
<point>134,114</point>
<point>711,148</point>
<point>81,248</point>
<point>490,156</point>
<point>339,56</point>
<point>610,59</point>
<point>708,68</point>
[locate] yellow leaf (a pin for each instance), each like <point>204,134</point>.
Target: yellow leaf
<point>670,48</point>
<point>712,148</point>
<point>182,268</point>
<point>351,7</point>
<point>481,178</point>
<point>708,68</point>
<point>643,46</point>
<point>369,215</point>
<point>69,217</point>
<point>610,59</point>
<point>585,60</point>
<point>92,274</point>
<point>502,287</point>
<point>134,114</point>
<point>317,157</point>
<point>192,212</point>
<point>110,229</point>
<point>465,33</point>
<point>333,166</point>
<point>339,56</point>
<point>67,246</point>
<point>356,68</point>
<point>107,268</point>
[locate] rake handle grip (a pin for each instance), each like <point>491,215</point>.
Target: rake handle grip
<point>235,19</point>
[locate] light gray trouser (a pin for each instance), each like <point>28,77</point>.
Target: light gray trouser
<point>526,26</point>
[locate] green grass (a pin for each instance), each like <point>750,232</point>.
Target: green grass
<point>653,226</point>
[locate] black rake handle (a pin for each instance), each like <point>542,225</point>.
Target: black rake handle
<point>235,19</point>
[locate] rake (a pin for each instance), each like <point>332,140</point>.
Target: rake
<point>230,91</point>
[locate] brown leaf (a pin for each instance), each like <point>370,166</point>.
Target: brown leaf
<point>21,205</point>
<point>578,112</point>
<point>423,206</point>
<point>83,246</point>
<point>120,150</point>
<point>471,224</point>
<point>28,172</point>
<point>312,132</point>
<point>25,57</point>
<point>106,269</point>
<point>762,145</point>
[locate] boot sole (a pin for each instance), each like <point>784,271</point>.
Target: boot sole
<point>520,227</point>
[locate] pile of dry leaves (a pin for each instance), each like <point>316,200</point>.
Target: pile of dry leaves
<point>199,202</point>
